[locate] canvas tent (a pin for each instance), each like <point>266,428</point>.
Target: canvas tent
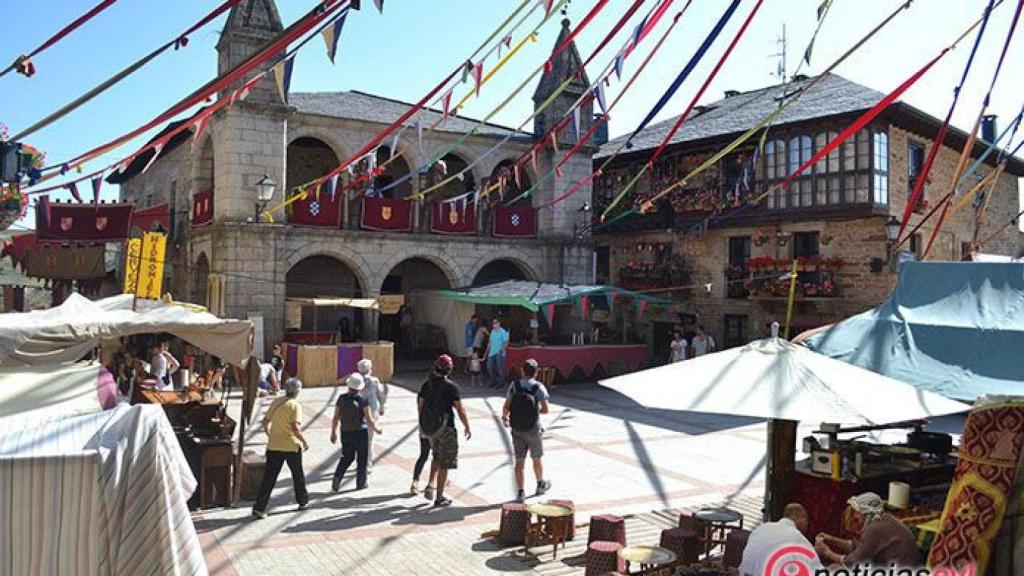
<point>68,332</point>
<point>44,391</point>
<point>953,328</point>
<point>533,295</point>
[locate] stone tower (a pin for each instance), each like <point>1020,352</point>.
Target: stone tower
<point>560,219</point>
<point>248,136</point>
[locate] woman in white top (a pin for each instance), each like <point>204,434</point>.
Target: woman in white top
<point>163,365</point>
<point>376,394</point>
<point>678,346</point>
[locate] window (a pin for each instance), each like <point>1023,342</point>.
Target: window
<point>735,330</point>
<point>915,162</point>
<point>806,244</point>
<point>881,165</point>
<point>916,246</point>
<point>828,182</point>
<point>775,169</point>
<point>800,151</point>
<point>736,275</point>
<point>739,251</point>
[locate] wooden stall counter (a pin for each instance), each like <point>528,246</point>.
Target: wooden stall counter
<point>590,360</point>
<point>323,365</point>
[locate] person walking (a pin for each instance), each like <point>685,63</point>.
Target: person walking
<point>285,444</point>
<point>497,350</point>
<point>439,399</point>
<point>678,347</point>
<point>702,343</point>
<point>525,401</point>
<point>376,394</point>
<point>352,413</point>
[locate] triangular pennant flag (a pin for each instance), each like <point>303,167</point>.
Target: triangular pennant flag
<point>283,77</point>
<point>807,53</point>
<point>478,71</point>
<point>599,96</point>
<point>446,103</point>
<point>554,140</point>
<point>200,127</point>
<point>329,186</point>
<point>821,8</point>
<point>576,123</point>
<point>548,310</point>
<point>547,6</point>
<point>333,33</point>
<point>548,66</point>
<point>618,63</point>
<point>467,69</point>
<point>73,189</point>
<point>584,303</point>
<point>157,149</point>
<point>533,158</point>
<point>97,184</point>
<point>515,175</point>
<point>639,31</point>
<point>380,5</point>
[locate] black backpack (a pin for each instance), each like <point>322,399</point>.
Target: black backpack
<point>351,414</point>
<point>434,416</point>
<point>524,412</point>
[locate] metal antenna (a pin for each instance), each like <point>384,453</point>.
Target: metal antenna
<point>780,42</point>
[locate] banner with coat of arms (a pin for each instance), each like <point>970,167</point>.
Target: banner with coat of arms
<point>515,222</point>
<point>316,210</point>
<point>84,222</point>
<point>202,208</point>
<point>454,218</point>
<point>386,214</point>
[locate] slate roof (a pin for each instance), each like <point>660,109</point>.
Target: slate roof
<point>736,114</point>
<point>356,105</point>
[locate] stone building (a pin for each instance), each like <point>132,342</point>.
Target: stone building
<point>369,240</point>
<point>722,258</point>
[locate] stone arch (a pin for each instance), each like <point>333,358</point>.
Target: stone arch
<point>491,269</point>
<point>393,170</point>
<point>203,166</point>
<point>512,189</point>
<point>200,275</point>
<point>324,275</point>
<point>455,162</point>
<point>308,158</point>
<point>338,251</point>
<point>449,268</point>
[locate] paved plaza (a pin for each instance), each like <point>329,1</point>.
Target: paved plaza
<point>602,451</point>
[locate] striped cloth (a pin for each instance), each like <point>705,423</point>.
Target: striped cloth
<point>101,494</point>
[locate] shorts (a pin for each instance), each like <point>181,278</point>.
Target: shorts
<point>532,442</point>
<point>445,447</point>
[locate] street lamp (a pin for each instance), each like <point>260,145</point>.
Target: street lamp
<point>892,234</point>
<point>582,221</point>
<point>265,189</point>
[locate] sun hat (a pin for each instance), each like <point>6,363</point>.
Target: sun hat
<point>355,382</point>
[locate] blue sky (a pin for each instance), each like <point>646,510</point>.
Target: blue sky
<point>404,52</point>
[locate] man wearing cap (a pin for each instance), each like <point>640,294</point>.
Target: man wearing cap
<point>525,401</point>
<point>285,444</point>
<point>353,414</point>
<point>439,398</point>
<point>376,394</point>
<point>884,540</point>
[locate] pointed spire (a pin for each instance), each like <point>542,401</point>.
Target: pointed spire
<point>249,27</point>
<point>563,65</point>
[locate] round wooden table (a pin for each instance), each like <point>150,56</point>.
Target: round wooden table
<point>550,524</point>
<point>647,556</point>
<point>716,522</point>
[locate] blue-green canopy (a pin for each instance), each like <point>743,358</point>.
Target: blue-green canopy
<point>956,328</point>
<point>533,295</point>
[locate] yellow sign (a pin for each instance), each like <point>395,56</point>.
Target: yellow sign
<point>133,257</point>
<point>151,269</point>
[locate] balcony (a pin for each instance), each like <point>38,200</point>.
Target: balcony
<point>672,275</point>
<point>768,278</point>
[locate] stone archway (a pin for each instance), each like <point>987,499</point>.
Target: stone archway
<point>418,327</point>
<point>308,158</point>
<point>500,270</point>
<point>394,169</point>
<point>451,165</point>
<point>513,187</point>
<point>322,276</point>
<point>204,174</point>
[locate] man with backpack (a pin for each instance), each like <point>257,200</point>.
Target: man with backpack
<point>353,414</point>
<point>438,400</point>
<point>525,401</point>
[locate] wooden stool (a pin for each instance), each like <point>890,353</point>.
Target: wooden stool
<point>603,557</point>
<point>735,542</point>
<point>684,542</point>
<point>607,528</point>
<point>514,520</point>
<point>570,528</point>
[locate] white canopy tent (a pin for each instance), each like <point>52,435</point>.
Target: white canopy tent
<point>781,381</point>
<point>44,391</point>
<point>68,332</point>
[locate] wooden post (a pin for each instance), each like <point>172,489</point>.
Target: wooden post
<point>243,424</point>
<point>779,467</point>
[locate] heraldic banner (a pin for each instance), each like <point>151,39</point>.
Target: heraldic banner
<point>316,210</point>
<point>454,218</point>
<point>202,208</point>
<point>84,222</point>
<point>386,214</point>
<point>515,222</point>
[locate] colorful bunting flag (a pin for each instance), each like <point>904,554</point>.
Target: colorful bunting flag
<point>157,149</point>
<point>548,310</point>
<point>599,96</point>
<point>97,184</point>
<point>446,103</point>
<point>641,307</point>
<point>73,189</point>
<point>584,303</point>
<point>380,5</point>
<point>478,71</point>
<point>332,34</point>
<point>576,123</point>
<point>283,77</point>
<point>547,6</point>
<point>618,64</point>
<point>610,297</point>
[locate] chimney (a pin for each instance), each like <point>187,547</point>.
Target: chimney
<point>731,93</point>
<point>988,127</point>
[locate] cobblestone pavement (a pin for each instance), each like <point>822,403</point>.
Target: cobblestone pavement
<point>602,451</point>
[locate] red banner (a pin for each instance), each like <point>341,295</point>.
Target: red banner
<point>386,214</point>
<point>515,222</point>
<point>454,219</point>
<point>202,208</point>
<point>146,220</point>
<point>85,222</point>
<point>323,211</point>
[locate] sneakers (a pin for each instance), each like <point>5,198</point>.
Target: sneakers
<point>335,484</point>
<point>428,492</point>
<point>258,515</point>
<point>414,488</point>
<point>303,506</point>
<point>442,502</point>
<point>521,497</point>
<point>543,486</point>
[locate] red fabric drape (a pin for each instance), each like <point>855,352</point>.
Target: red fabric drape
<point>146,220</point>
<point>86,223</point>
<point>324,211</point>
<point>454,219</point>
<point>387,215</point>
<point>202,208</point>
<point>515,222</point>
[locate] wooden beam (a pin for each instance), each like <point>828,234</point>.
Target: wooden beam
<point>781,462</point>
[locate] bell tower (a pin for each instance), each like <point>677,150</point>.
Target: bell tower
<point>250,26</point>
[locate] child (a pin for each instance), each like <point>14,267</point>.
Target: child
<point>475,376</point>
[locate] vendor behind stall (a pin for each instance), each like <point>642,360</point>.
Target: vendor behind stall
<point>884,540</point>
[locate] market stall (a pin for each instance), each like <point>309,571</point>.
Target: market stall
<point>319,355</point>
<point>787,384</point>
<point>568,328</point>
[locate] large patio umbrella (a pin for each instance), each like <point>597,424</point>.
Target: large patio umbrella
<point>782,382</point>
